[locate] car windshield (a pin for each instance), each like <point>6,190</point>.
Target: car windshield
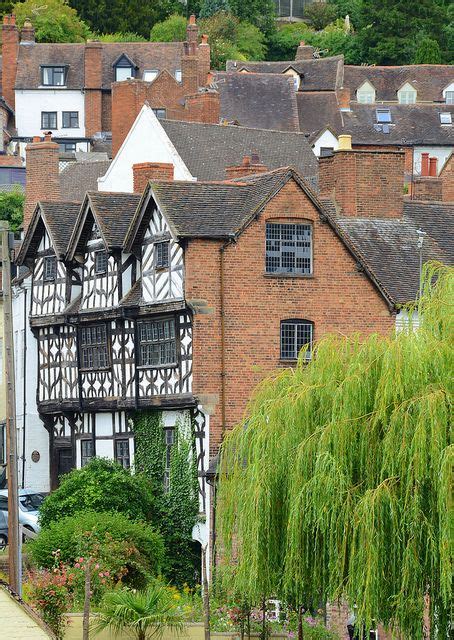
<point>31,502</point>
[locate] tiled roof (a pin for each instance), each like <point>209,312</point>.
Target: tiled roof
<point>113,213</point>
<point>260,101</point>
<point>317,110</point>
<point>429,80</point>
<point>207,149</point>
<point>410,124</point>
<point>79,177</point>
<point>319,74</point>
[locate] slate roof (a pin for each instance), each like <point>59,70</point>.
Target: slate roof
<point>259,101</point>
<point>317,110</point>
<point>113,213</point>
<point>79,177</point>
<point>411,124</point>
<point>318,74</point>
<point>429,80</point>
<point>145,55</point>
<point>207,149</point>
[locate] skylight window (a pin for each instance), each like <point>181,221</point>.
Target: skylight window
<point>445,118</point>
<point>383,116</point>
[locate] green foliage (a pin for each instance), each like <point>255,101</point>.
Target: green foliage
<point>176,509</point>
<point>427,51</point>
<point>364,511</point>
<point>49,595</point>
<point>173,29</point>
<point>351,8</point>
<point>142,556</point>
<point>12,207</point>
<point>320,14</point>
<point>210,7</point>
<point>54,20</point>
<point>120,37</point>
<point>101,485</point>
<point>141,615</point>
<point>260,13</point>
<point>6,6</point>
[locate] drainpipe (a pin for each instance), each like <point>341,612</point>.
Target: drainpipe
<point>221,287</point>
<point>24,386</point>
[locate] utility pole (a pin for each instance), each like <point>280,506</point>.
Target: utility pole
<point>15,581</point>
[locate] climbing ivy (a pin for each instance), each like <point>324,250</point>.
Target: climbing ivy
<point>176,510</point>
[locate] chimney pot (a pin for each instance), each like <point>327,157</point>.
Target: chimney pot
<point>433,162</point>
<point>36,139</point>
<point>48,136</point>
<point>255,158</point>
<point>249,166</point>
<point>425,164</point>
<point>246,161</point>
<point>204,38</point>
<point>143,172</point>
<point>345,142</point>
<point>192,19</point>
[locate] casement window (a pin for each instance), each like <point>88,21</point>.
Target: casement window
<point>49,268</point>
<point>160,113</point>
<point>326,151</point>
<point>289,248</point>
<point>383,116</point>
<point>100,262</point>
<point>94,348</point>
<point>449,97</point>
<point>53,76</point>
<point>67,147</point>
<point>178,75</point>
<point>87,451</point>
<point>70,120</point>
<point>295,334</point>
<point>122,453</point>
<point>161,255</point>
<point>48,119</point>
<point>365,97</point>
<point>150,74</point>
<point>157,343</point>
<point>169,440</point>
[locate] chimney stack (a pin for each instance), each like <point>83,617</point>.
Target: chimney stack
<point>433,169</point>
<point>363,183</point>
<point>343,99</point>
<point>190,68</point>
<point>250,166</point>
<point>93,86</point>
<point>192,30</point>
<point>204,61</point>
<point>304,52</point>
<point>10,50</point>
<point>27,33</point>
<point>424,164</point>
<point>146,171</point>
<point>42,174</point>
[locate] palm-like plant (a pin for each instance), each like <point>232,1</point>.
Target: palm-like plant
<point>141,614</point>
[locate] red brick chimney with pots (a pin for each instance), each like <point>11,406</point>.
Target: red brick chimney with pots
<point>190,68</point>
<point>424,164</point>
<point>343,98</point>
<point>146,171</point>
<point>192,30</point>
<point>27,33</point>
<point>10,50</point>
<point>203,107</point>
<point>249,166</point>
<point>204,61</point>
<point>433,162</point>
<point>304,51</point>
<point>42,174</point>
<point>364,183</point>
<point>93,84</point>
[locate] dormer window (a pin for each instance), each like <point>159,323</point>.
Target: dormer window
<point>53,76</point>
<point>150,74</point>
<point>49,268</point>
<point>383,116</point>
<point>448,94</point>
<point>124,68</point>
<point>296,78</point>
<point>366,93</point>
<point>407,94</point>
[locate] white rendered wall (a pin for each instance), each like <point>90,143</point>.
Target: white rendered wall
<point>441,153</point>
<point>327,139</point>
<point>29,105</point>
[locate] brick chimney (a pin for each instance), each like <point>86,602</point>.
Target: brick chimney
<point>204,106</point>
<point>204,61</point>
<point>433,167</point>
<point>425,164</point>
<point>192,30</point>
<point>10,50</point>
<point>249,166</point>
<point>343,98</point>
<point>128,97</point>
<point>93,84</point>
<point>42,174</point>
<point>146,171</point>
<point>304,51</point>
<point>190,68</point>
<point>363,183</point>
<point>27,33</point>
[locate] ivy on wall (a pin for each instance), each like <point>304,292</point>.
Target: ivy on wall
<point>176,510</point>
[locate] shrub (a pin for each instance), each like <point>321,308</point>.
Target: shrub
<point>120,543</point>
<point>102,485</point>
<point>173,29</point>
<point>49,594</point>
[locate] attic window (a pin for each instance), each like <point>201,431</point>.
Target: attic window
<point>407,94</point>
<point>53,76</point>
<point>449,97</point>
<point>366,93</point>
<point>383,116</point>
<point>50,268</point>
<point>445,118</point>
<point>149,75</point>
<point>124,69</point>
<point>100,262</point>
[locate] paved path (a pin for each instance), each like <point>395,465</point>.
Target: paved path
<point>15,622</point>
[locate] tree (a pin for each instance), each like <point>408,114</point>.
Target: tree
<point>6,6</point>
<point>338,485</point>
<point>120,37</point>
<point>427,51</point>
<point>54,20</point>
<point>173,29</point>
<point>210,7</point>
<point>101,485</point>
<point>141,615</point>
<point>260,13</point>
<point>12,207</point>
<point>320,14</point>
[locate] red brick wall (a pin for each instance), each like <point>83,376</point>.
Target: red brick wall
<point>145,171</point>
<point>10,50</point>
<point>364,184</point>
<point>337,298</point>
<point>42,178</point>
<point>336,620</point>
<point>93,83</point>
<point>106,115</point>
<point>447,179</point>
<point>427,188</point>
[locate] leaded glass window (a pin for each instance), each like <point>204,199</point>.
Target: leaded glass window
<point>94,347</point>
<point>50,268</point>
<point>100,262</point>
<point>122,453</point>
<point>288,248</point>
<point>295,334</point>
<point>87,451</point>
<point>161,254</point>
<point>157,343</point>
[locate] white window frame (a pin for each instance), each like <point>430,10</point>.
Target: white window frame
<point>407,94</point>
<point>366,93</point>
<point>155,73</point>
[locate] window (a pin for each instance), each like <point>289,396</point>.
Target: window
<point>288,248</point>
<point>94,348</point>
<point>178,75</point>
<point>407,94</point>
<point>87,451</point>
<point>150,75</point>
<point>295,334</point>
<point>383,115</point>
<point>122,453</point>
<point>157,343</point>
<point>100,262</point>
<point>67,147</point>
<point>326,151</point>
<point>48,119</point>
<point>50,268</point>
<point>161,254</point>
<point>169,439</point>
<point>445,118</point>
<point>70,120</point>
<point>53,76</point>
<point>366,93</point>
<point>449,95</point>
<point>160,113</point>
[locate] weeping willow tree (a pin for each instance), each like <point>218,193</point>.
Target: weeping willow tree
<point>339,483</point>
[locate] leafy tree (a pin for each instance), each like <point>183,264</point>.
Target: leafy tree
<point>427,51</point>
<point>210,7</point>
<point>120,37</point>
<point>12,207</point>
<point>101,485</point>
<point>54,20</point>
<point>172,29</point>
<point>260,13</point>
<point>320,14</point>
<point>351,8</point>
<point>340,485</point>
<point>6,6</point>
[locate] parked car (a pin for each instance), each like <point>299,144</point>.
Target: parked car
<point>29,503</point>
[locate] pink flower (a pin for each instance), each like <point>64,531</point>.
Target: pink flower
<point>77,565</point>
<point>96,566</point>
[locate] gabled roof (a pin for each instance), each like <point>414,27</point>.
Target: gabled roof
<point>112,212</point>
<point>124,58</point>
<point>58,219</point>
<point>79,177</point>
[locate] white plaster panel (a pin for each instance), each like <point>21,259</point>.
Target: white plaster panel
<point>104,449</point>
<point>103,424</point>
<point>29,105</point>
<point>327,139</point>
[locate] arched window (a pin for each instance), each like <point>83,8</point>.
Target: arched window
<point>296,334</point>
